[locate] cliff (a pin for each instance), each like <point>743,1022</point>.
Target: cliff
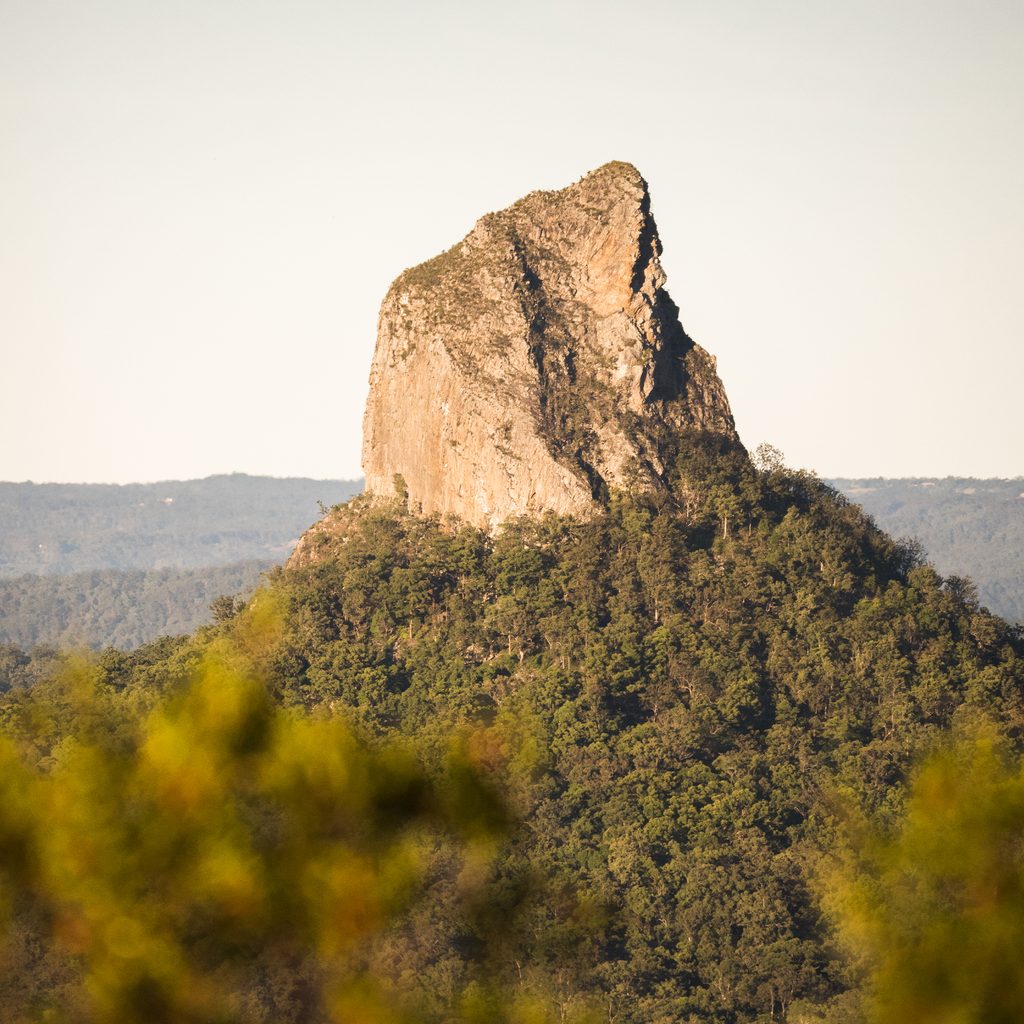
<point>538,362</point>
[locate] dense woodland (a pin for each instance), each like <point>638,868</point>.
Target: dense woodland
<point>681,705</point>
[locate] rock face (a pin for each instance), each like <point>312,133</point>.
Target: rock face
<point>537,363</point>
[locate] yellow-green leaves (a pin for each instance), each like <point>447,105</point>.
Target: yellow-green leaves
<point>939,910</point>
<point>230,830</point>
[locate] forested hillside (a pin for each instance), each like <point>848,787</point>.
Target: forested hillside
<point>176,524</point>
<point>119,607</point>
<point>967,526</point>
<point>681,702</point>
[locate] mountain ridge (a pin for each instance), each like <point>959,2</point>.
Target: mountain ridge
<point>968,526</point>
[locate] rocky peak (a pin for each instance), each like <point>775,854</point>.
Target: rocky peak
<point>538,362</point>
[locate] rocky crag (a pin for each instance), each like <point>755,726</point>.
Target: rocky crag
<point>537,363</point>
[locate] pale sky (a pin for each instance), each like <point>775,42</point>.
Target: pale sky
<point>203,202</point>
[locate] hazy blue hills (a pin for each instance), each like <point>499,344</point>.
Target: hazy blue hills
<point>967,526</point>
<point>123,607</point>
<point>179,524</point>
<point>103,564</point>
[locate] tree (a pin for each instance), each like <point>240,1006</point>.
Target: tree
<point>223,608</point>
<point>768,459</point>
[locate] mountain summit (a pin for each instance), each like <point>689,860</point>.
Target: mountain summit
<point>538,362</point>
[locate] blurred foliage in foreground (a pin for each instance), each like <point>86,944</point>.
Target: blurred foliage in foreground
<point>935,910</point>
<point>217,859</point>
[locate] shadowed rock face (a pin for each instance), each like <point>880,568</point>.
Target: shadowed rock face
<point>537,363</point>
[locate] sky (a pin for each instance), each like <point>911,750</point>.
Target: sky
<point>203,202</point>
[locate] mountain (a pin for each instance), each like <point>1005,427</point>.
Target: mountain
<point>179,524</point>
<point>968,527</point>
<point>687,691</point>
<point>675,698</point>
<point>537,363</point>
<point>677,704</point>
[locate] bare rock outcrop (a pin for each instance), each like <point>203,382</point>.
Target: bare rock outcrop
<point>537,363</point>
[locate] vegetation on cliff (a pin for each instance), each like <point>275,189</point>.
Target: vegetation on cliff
<point>680,700</point>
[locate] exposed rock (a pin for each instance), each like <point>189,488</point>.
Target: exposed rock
<point>537,363</point>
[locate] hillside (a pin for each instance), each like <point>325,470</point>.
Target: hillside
<point>694,679</point>
<point>176,524</point>
<point>967,526</point>
<point>669,697</point>
<point>119,607</point>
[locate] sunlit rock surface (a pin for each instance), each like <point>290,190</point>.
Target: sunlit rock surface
<point>537,363</point>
